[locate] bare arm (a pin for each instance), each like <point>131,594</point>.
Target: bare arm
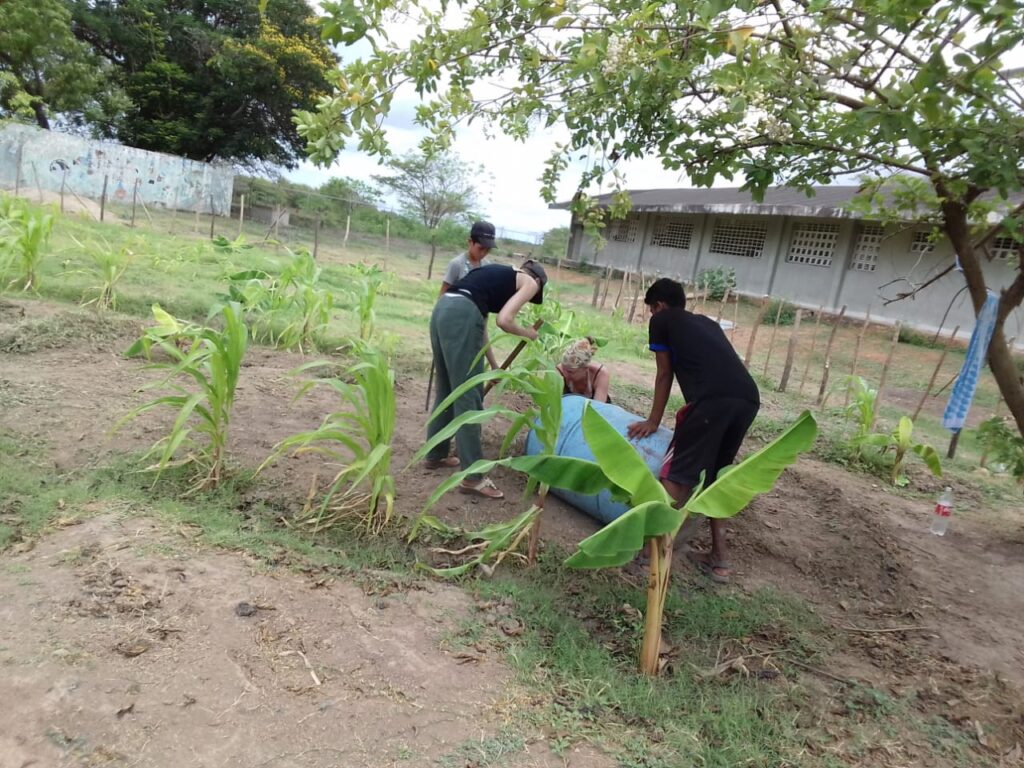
<point>662,389</point>
<point>444,289</point>
<point>489,351</point>
<point>526,289</point>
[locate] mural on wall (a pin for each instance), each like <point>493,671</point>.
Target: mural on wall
<point>33,157</point>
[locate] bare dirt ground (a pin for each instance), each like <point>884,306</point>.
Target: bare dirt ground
<point>935,620</point>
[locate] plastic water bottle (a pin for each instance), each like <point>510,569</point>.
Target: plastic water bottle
<point>943,511</point>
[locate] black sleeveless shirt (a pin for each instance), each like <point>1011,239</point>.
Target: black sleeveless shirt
<point>489,286</point>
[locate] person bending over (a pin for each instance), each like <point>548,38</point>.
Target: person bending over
<point>458,333</point>
<point>721,403</point>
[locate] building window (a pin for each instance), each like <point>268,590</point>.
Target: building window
<point>922,242</point>
<point>813,243</point>
<point>738,238</point>
<point>624,230</point>
<point>865,251</point>
<point>672,233</point>
<point>1003,248</point>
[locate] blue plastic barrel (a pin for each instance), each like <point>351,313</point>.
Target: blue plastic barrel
<point>572,444</point>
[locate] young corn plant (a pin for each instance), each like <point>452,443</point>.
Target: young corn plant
<point>901,442</point>
<point>543,386</point>
<point>22,249</point>
<point>107,268</point>
<point>359,438</point>
<point>861,409</point>
<point>201,370</point>
<point>369,282</point>
<point>653,521</point>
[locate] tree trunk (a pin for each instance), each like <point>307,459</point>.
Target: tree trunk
<point>433,252</point>
<point>41,119</point>
<point>999,358</point>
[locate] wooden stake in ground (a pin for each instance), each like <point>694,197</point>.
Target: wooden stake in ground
<point>721,306</point>
<point>618,295</point>
<point>103,197</point>
<point>174,210</point>
<point>814,344</point>
<point>607,282</point>
<point>885,372</point>
<point>753,330</point>
<point>771,340</point>
<point>348,222</point>
<point>735,321</point>
<point>316,236</point>
<point>597,289</point>
<point>63,181</point>
<point>636,297</point>
<point>17,174</point>
<point>135,197</point>
<point>213,216</point>
<point>241,215</point>
<point>790,351</point>
<point>827,366</point>
<point>512,356</point>
<point>935,375</point>
<point>387,233</point>
<point>856,354</point>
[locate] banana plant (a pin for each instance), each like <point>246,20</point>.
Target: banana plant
<point>358,437</point>
<point>543,386</point>
<point>212,360</point>
<point>901,441</point>
<point>652,520</point>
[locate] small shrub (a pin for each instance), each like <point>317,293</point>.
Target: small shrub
<point>918,339</point>
<point>788,316</point>
<point>717,281</point>
<point>1003,444</point>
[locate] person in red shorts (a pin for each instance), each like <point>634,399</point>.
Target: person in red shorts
<point>721,403</point>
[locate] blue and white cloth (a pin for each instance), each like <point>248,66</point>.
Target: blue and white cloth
<point>967,380</point>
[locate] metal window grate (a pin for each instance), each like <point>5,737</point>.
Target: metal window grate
<point>1003,248</point>
<point>865,252</point>
<point>922,243</point>
<point>813,244</point>
<point>672,233</point>
<point>624,230</point>
<point>739,238</point>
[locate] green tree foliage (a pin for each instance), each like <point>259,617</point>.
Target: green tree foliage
<point>431,188</point>
<point>555,243</point>
<point>210,80</point>
<point>45,72</point>
<point>913,95</point>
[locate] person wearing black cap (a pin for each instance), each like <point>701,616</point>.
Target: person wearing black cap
<point>481,241</point>
<point>458,328</point>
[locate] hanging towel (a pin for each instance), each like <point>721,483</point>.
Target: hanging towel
<point>967,380</point>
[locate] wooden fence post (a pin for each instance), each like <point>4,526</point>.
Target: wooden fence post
<point>348,222</point>
<point>241,215</point>
<point>827,367</point>
<point>790,351</point>
<point>636,297</point>
<point>387,233</point>
<point>17,174</point>
<point>618,295</point>
<point>135,197</point>
<point>103,197</point>
<point>213,216</point>
<point>935,375</point>
<point>597,289</point>
<point>753,330</point>
<point>721,306</point>
<point>856,354</point>
<point>316,236</point>
<point>735,321</point>
<point>63,181</point>
<point>885,372</point>
<point>771,341</point>
<point>814,344</point>
<point>607,282</point>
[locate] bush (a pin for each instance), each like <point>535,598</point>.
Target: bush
<point>918,339</point>
<point>717,280</point>
<point>787,317</point>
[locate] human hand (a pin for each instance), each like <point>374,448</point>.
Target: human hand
<point>639,429</point>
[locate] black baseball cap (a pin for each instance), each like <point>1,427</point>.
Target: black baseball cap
<point>535,269</point>
<point>483,233</point>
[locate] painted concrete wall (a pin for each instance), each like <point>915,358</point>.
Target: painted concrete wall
<point>164,180</point>
<point>812,286</point>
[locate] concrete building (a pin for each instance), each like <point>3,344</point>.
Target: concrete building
<point>810,251</point>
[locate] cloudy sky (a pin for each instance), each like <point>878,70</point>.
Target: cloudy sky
<point>509,170</point>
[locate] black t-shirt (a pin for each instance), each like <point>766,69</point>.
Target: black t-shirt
<point>703,361</point>
<point>489,286</point>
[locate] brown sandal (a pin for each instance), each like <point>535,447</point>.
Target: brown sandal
<point>484,488</point>
<point>449,462</point>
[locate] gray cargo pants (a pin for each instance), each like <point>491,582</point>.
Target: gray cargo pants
<point>456,338</point>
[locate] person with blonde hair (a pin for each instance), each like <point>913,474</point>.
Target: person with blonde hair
<point>581,375</point>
